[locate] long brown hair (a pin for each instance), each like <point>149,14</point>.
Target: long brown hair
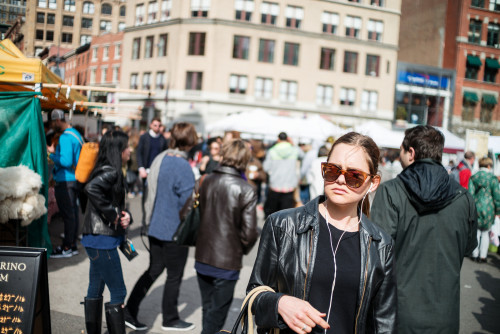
<point>371,150</point>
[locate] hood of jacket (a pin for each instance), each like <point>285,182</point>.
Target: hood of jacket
<point>283,151</point>
<point>429,185</point>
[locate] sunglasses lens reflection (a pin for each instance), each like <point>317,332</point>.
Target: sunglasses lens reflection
<point>353,179</point>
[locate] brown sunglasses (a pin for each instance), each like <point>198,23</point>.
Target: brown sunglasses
<point>353,178</point>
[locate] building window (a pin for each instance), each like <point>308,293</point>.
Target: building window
<point>106,9</point>
<point>85,39</point>
<point>121,26</point>
<point>146,81</point>
<point>475,31</point>
<point>160,80</point>
<point>166,7</point>
<point>269,12</point>
<point>350,62</point>
<point>118,51</point>
<point>330,22</point>
<point>244,9</point>
<point>68,21</point>
<point>93,75</point>
<point>266,50</point>
<point>372,65</point>
<point>379,3</point>
<point>88,8</point>
<point>123,11</point>
<point>52,4</point>
<point>105,25</point>
<point>327,59</point>
<point>162,45</point>
<point>472,67</point>
<point>200,8</point>
<point>139,14</point>
<point>94,53</point>
<point>193,80</point>
<point>105,52</point>
<point>238,84</point>
<point>291,54</point>
<point>288,91</point>
<point>488,103</point>
<point>136,48</point>
<point>39,35</point>
<point>324,95</point>
<point>51,18</point>
<point>196,44</point>
<point>354,1</point>
<point>86,23</point>
<point>152,12</point>
<point>491,69</point>
<point>347,96</point>
<point>477,3</point>
<point>116,74</point>
<point>375,29</point>
<point>369,100</point>
<point>49,35</point>
<point>352,26</point>
<point>69,5</point>
<point>264,88</point>
<point>134,80</point>
<point>148,51</point>
<point>40,17</point>
<point>241,45</point>
<point>469,101</point>
<point>42,4</point>
<point>495,5</point>
<point>294,16</point>
<point>104,74</point>
<point>493,34</point>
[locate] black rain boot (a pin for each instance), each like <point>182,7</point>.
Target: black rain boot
<point>115,318</point>
<point>93,315</point>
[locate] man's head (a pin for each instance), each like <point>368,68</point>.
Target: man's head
<point>421,142</point>
<point>282,136</point>
<point>470,157</point>
<point>58,120</point>
<point>155,125</point>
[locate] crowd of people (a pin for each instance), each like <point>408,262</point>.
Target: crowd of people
<point>327,252</point>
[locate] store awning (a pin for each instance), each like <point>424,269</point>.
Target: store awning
<point>474,61</point>
<point>489,99</point>
<point>492,63</point>
<point>471,97</point>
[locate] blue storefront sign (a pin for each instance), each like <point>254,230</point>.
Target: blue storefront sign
<point>425,80</point>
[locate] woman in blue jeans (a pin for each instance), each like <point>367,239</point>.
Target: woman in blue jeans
<point>104,228</point>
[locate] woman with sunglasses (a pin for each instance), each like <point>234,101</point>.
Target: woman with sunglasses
<point>331,267</point>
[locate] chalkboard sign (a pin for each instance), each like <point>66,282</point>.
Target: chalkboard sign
<point>24,291</point>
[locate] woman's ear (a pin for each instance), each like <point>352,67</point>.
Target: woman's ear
<point>375,183</point>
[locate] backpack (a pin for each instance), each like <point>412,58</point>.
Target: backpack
<point>86,161</point>
<point>455,172</point>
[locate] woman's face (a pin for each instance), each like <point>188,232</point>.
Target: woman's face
<point>348,157</point>
<point>126,155</point>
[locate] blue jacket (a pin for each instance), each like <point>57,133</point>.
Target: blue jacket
<point>66,155</point>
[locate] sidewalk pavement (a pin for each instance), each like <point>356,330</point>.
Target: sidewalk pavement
<point>68,281</point>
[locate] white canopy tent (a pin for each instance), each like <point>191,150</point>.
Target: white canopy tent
<point>382,136</point>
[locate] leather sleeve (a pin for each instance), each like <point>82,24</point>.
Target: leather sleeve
<point>140,152</point>
<point>99,194</point>
<point>385,301</point>
<point>248,230</point>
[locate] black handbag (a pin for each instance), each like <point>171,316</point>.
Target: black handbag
<point>128,249</point>
<point>190,217</point>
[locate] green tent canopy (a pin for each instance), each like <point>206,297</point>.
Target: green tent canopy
<point>471,97</point>
<point>489,99</point>
<point>492,63</point>
<point>474,61</point>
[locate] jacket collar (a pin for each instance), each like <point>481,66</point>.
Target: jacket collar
<point>311,219</point>
<point>227,170</point>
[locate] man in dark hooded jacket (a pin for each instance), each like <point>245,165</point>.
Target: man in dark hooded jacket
<point>433,221</point>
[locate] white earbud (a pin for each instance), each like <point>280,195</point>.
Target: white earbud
<point>370,189</point>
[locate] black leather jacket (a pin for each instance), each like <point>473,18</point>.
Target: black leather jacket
<point>101,213</point>
<point>287,258</point>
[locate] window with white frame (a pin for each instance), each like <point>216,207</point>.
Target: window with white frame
<point>118,50</point>
<point>105,52</point>
<point>160,80</point>
<point>139,14</point>
<point>324,95</point>
<point>352,26</point>
<point>194,80</point>
<point>94,53</point>
<point>347,96</point>
<point>294,16</point>
<point>263,88</point>
<point>288,91</point>
<point>162,45</point>
<point>146,80</point>
<point>52,4</point>
<point>238,84</point>
<point>330,22</point>
<point>200,8</point>
<point>85,39</point>
<point>148,51</point>
<point>166,7</point>
<point>269,12</point>
<point>375,30</point>
<point>244,9</point>
<point>369,100</point>
<point>93,74</point>
<point>134,80</point>
<point>104,74</point>
<point>116,74</point>
<point>495,5</point>
<point>105,25</point>
<point>121,26</point>
<point>69,5</point>
<point>88,7</point>
<point>136,48</point>
<point>42,3</point>
<point>379,3</point>
<point>152,12</point>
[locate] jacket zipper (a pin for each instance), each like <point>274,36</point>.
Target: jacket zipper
<point>364,284</point>
<point>308,263</point>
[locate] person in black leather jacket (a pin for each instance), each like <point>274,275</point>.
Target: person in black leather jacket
<point>105,223</point>
<point>331,267</point>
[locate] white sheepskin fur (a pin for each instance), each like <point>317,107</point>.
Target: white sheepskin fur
<point>19,197</point>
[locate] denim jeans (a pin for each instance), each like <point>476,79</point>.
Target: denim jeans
<point>66,198</point>
<point>216,298</point>
<point>106,269</point>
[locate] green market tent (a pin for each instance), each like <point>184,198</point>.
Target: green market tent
<point>22,142</point>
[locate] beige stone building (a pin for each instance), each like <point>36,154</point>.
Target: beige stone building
<point>333,58</point>
<point>70,23</point>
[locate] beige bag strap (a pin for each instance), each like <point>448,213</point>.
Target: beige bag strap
<point>250,298</point>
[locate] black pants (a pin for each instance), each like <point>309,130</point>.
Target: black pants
<point>66,197</point>
<point>276,201</point>
<point>216,298</point>
<point>163,254</point>
<point>143,201</point>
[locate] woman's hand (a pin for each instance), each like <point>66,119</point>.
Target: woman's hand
<point>299,315</point>
<point>125,219</point>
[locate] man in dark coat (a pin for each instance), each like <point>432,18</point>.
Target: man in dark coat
<point>433,221</point>
<point>150,145</point>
